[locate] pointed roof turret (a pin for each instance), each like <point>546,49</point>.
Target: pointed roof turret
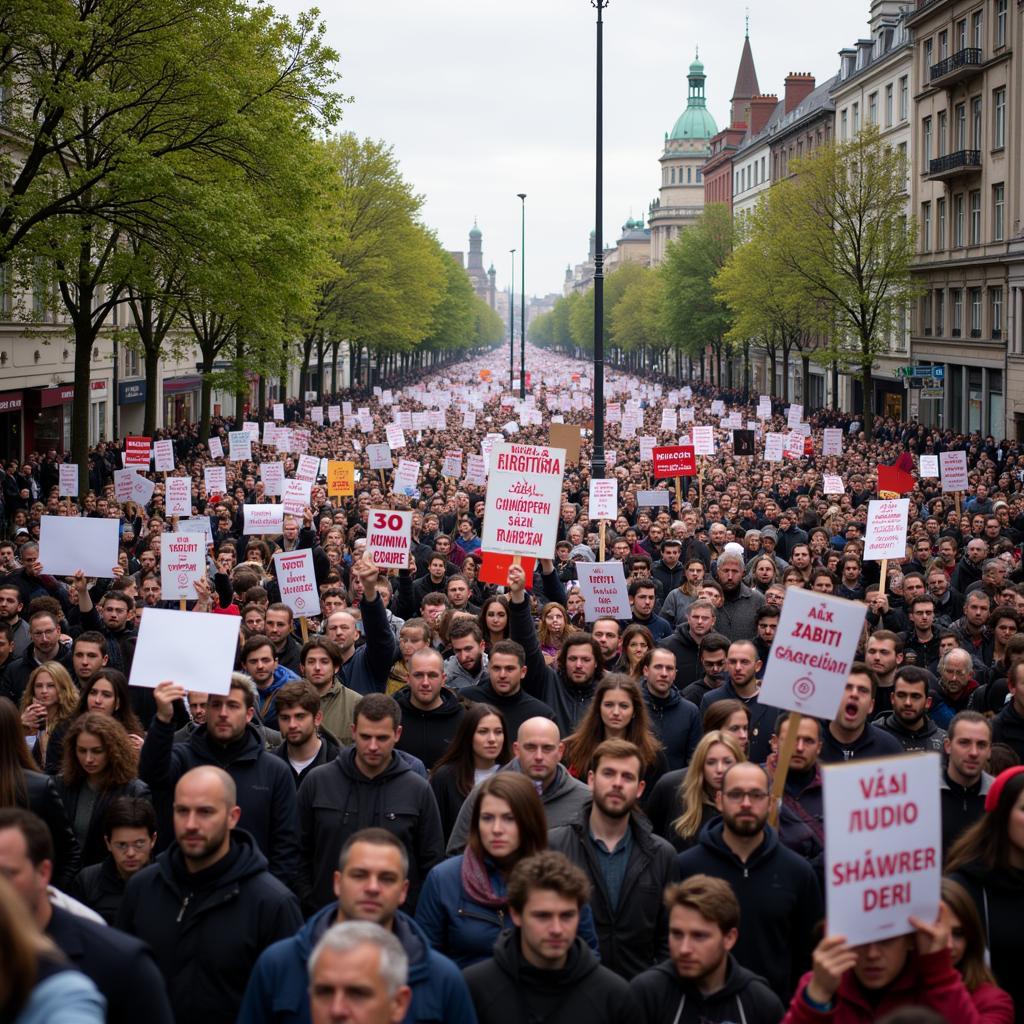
<point>746,87</point>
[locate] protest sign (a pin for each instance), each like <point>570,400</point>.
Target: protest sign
<point>341,479</point>
<point>178,496</point>
<point>794,414</point>
<point>163,456</point>
<point>652,499</point>
<point>953,466</point>
<point>69,544</point>
<point>307,468</point>
<point>379,456</point>
<point>604,496</point>
<point>883,845</point>
<point>216,480</point>
<point>494,568</point>
<point>297,582</point>
<point>774,445</point>
<point>674,460</point>
<point>295,496</point>
<point>142,488</point>
<point>199,525</point>
<point>647,448</point>
<point>262,519</point>
<point>703,440</point>
<point>278,410</point>
<point>334,414</point>
<point>886,532</point>
<point>928,466</point>
<point>604,590</point>
<point>832,443</point>
<point>395,436</point>
<point>272,475</point>
<point>668,419</point>
<point>182,562</point>
<point>764,407</point>
<point>743,442</point>
<point>68,485</point>
<point>469,421</point>
<point>523,500</point>
<point>717,407</point>
<point>123,483</point>
<point>833,484</point>
<point>452,465</point>
<point>476,470</point>
<point>566,436</point>
<point>794,444</point>
<point>239,446</point>
<point>686,416</point>
<point>196,651</point>
<point>216,448</point>
<point>316,414</point>
<point>137,452</point>
<point>389,538</point>
<point>815,644</point>
<point>406,478</point>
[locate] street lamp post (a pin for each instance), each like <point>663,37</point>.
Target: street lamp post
<point>512,326</point>
<point>597,457</point>
<point>522,309</point>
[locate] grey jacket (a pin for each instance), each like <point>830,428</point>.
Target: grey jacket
<point>458,678</point>
<point>736,618</point>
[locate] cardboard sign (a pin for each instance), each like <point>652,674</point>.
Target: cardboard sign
<point>239,446</point>
<point>389,538</point>
<point>604,499</point>
<point>178,497</point>
<point>68,485</point>
<point>886,532</point>
<point>567,436</point>
<point>703,440</point>
<point>307,469</point>
<point>395,436</point>
<point>216,448</point>
<point>774,446</point>
<point>279,411</point>
<point>883,845</point>
<point>182,562</point>
<point>928,466</point>
<point>163,456</point>
<point>604,590</point>
<point>523,500</point>
<point>297,581</point>
<point>833,484</point>
<point>652,499</point>
<point>953,466</point>
<point>476,470</point>
<point>136,451</point>
<point>647,448</point>
<point>216,480</point>
<point>405,478</point>
<point>494,568</point>
<point>380,456</point>
<point>815,644</point>
<point>194,651</point>
<point>674,460</point>
<point>452,465</point>
<point>68,544</point>
<point>794,414</point>
<point>743,442</point>
<point>295,496</point>
<point>833,441</point>
<point>272,475</point>
<point>262,520</point>
<point>341,479</point>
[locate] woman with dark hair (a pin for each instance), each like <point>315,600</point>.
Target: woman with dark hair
<point>100,764</point>
<point>23,785</point>
<point>494,620</point>
<point>552,629</point>
<point>994,1006</point>
<point>478,749</point>
<point>988,861</point>
<point>637,641</point>
<point>732,717</point>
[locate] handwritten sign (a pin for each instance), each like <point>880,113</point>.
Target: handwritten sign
<point>604,590</point>
<point>239,446</point>
<point>182,562</point>
<point>389,538</point>
<point>262,519</point>
<point>928,466</point>
<point>954,471</point>
<point>523,500</point>
<point>163,456</point>
<point>703,440</point>
<point>452,465</point>
<point>886,532</point>
<point>297,581</point>
<point>379,456</point>
<point>216,480</point>
<point>341,479</point>
<point>68,484</point>
<point>272,475</point>
<point>604,499</point>
<point>295,496</point>
<point>178,496</point>
<point>832,443</point>
<point>833,484</point>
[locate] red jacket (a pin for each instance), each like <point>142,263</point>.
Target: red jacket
<point>994,1006</point>
<point>930,981</point>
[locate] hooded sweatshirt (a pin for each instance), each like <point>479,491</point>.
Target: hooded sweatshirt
<point>686,649</point>
<point>676,722</point>
<point>458,678</point>
<point>928,738</point>
<point>427,734</point>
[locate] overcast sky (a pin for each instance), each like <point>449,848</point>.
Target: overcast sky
<point>484,100</point>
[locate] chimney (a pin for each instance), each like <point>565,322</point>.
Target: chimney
<point>798,88</point>
<point>761,108</point>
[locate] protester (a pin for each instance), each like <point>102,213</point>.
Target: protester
<point>965,783</point>
<point>850,735</point>
<point>909,721</point>
<point>673,719</point>
<point>307,744</point>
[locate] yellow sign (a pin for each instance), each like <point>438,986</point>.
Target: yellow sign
<point>341,479</point>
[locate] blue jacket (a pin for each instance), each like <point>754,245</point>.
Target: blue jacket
<point>268,702</point>
<point>278,990</point>
<point>463,929</point>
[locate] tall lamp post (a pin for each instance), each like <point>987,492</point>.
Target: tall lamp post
<point>597,458</point>
<point>522,309</point>
<point>512,326</point>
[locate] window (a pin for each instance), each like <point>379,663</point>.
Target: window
<point>943,122</point>
<point>904,97</point>
<point>131,363</point>
<point>698,176</point>
<point>996,305</point>
<point>888,105</point>
<point>976,33</point>
<point>961,126</point>
<point>998,211</point>
<point>958,312</point>
<point>940,312</point>
<point>943,44</point>
<point>926,141</point>
<point>940,223</point>
<point>926,313</point>
<point>1001,6</point>
<point>856,118</point>
<point>975,312</point>
<point>762,169</point>
<point>926,227</point>
<point>961,35</point>
<point>999,124</point>
<point>958,219</point>
<point>901,149</point>
<point>873,108</point>
<point>976,217</point>
<point>842,125</point>
<point>673,175</point>
<point>976,123</point>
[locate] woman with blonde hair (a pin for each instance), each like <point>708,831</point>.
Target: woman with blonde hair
<point>49,700</point>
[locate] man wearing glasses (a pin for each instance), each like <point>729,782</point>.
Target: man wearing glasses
<point>776,888</point>
<point>44,632</point>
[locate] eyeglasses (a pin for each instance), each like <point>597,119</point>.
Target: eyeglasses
<point>138,845</point>
<point>737,796</point>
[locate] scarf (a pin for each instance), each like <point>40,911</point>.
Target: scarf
<point>477,883</point>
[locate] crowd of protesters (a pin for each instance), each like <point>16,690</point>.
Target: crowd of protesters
<point>466,801</point>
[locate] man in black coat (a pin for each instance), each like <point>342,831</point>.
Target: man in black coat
<point>121,967</point>
<point>208,907</point>
<point>44,631</point>
<point>503,690</point>
<point>431,712</point>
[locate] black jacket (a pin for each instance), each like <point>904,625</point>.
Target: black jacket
<point>121,967</point>
<point>662,996</point>
<point>686,650</point>
<point>676,722</point>
<point>928,737</point>
<point>780,903</point>
<point>207,929</point>
<point>100,887</point>
<point>1008,728</point>
<point>872,742</point>
<point>43,800</point>
<point>428,734</point>
<point>515,709</point>
<point>634,934</point>
<point>507,990</point>
<point>94,849</point>
<point>961,806</point>
<point>329,750</point>
<point>338,799</point>
<point>17,671</point>
<point>266,793</point>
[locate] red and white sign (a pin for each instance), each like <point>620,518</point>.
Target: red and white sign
<point>297,581</point>
<point>216,480</point>
<point>703,440</point>
<point>295,496</point>
<point>832,443</point>
<point>954,471</point>
<point>379,456</point>
<point>604,499</point>
<point>886,531</point>
<point>182,562</point>
<point>262,519</point>
<point>673,460</point>
<point>216,448</point>
<point>123,483</point>
<point>795,444</point>
<point>272,475</point>
<point>774,446</point>
<point>452,465</point>
<point>316,414</point>
<point>136,451</point>
<point>883,845</point>
<point>178,496</point>
<point>68,485</point>
<point>833,484</point>
<point>395,436</point>
<point>604,590</point>
<point>163,456</point>
<point>279,411</point>
<point>389,538</point>
<point>476,470</point>
<point>406,477</point>
<point>307,469</point>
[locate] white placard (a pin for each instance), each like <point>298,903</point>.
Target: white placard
<point>395,436</point>
<point>163,456</point>
<point>833,484</point>
<point>200,524</point>
<point>764,407</point>
<point>69,544</point>
<point>774,446</point>
<point>262,519</point>
<point>178,496</point>
<point>389,538</point>
<point>216,480</point>
<point>194,650</point>
<point>252,428</point>
<point>406,477</point>
<point>953,466</point>
<point>883,845</point>
<point>886,532</point>
<point>334,414</point>
<point>703,440</point>
<point>279,411</point>
<point>68,484</point>
<point>123,484</point>
<point>216,448</point>
<point>272,475</point>
<point>316,414</point>
<point>794,414</point>
<point>182,562</point>
<point>795,444</point>
<point>142,489</point>
<point>652,499</point>
<point>469,421</point>
<point>295,496</point>
<point>668,419</point>
<point>928,467</point>
<point>832,443</point>
<point>686,415</point>
<point>297,581</point>
<point>523,500</point>
<point>815,644</point>
<point>604,590</point>
<point>239,446</point>
<point>647,445</point>
<point>604,499</point>
<point>718,407</point>
<point>307,469</point>
<point>380,456</point>
<point>476,470</point>
<point>452,465</point>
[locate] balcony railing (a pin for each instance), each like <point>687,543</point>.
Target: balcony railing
<point>961,64</point>
<point>962,161</point>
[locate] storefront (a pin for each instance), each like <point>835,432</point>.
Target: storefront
<point>131,402</point>
<point>11,425</point>
<point>181,400</point>
<point>48,418</point>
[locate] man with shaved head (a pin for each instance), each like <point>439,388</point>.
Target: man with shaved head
<point>538,751</point>
<point>208,906</point>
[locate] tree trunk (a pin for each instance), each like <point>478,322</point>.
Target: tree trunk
<point>151,361</point>
<point>242,387</point>
<point>80,405</point>
<point>835,384</point>
<point>282,388</point>
<point>785,371</point>
<point>205,394</point>
<point>320,344</point>
<point>262,400</point>
<point>867,406</point>
<point>805,366</point>
<point>335,346</point>
<point>773,368</point>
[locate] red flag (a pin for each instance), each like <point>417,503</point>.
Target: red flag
<point>892,478</point>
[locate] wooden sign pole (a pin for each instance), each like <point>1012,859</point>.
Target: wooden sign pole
<point>782,768</point>
<point>600,529</point>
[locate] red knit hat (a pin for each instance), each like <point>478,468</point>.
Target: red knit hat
<point>996,791</point>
